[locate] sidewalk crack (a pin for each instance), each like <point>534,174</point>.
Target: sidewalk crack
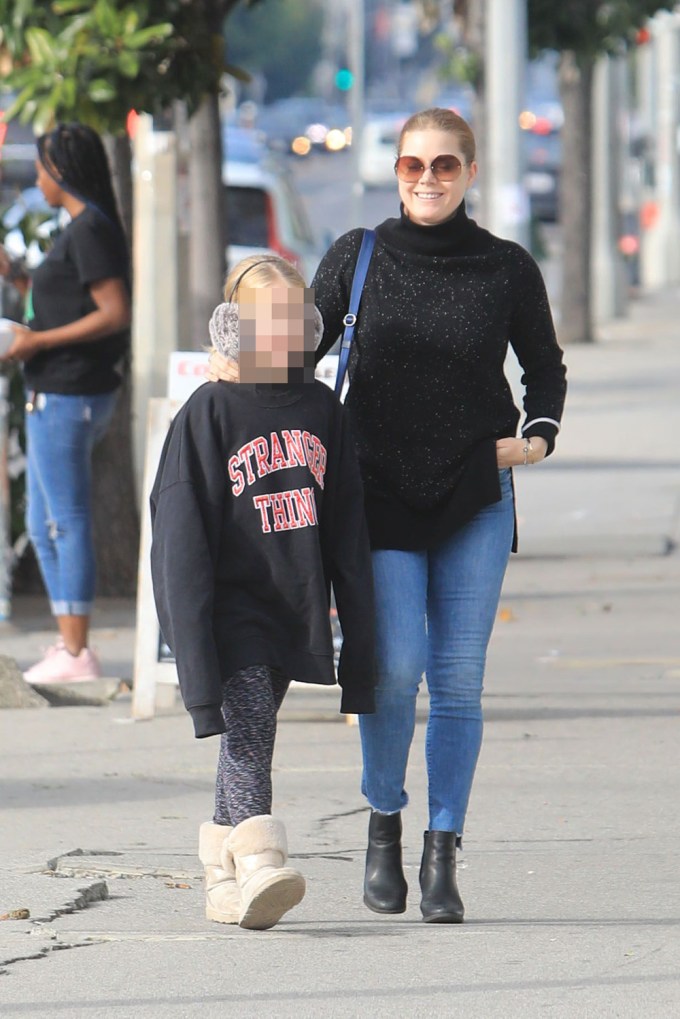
<point>41,954</point>
<point>96,892</point>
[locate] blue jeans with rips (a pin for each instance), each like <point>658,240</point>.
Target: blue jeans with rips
<point>61,432</point>
<point>435,612</point>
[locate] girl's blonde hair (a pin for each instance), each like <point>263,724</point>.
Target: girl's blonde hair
<point>261,271</point>
<point>441,119</point>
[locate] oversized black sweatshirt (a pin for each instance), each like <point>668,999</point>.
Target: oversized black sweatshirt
<point>257,510</point>
<point>428,396</point>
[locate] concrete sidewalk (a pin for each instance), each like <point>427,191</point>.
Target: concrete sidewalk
<point>613,487</point>
<point>569,866</point>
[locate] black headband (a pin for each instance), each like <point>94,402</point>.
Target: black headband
<point>261,261</point>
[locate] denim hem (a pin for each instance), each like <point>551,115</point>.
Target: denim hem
<point>71,608</point>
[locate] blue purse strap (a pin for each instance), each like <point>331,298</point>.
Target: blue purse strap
<point>350,319</point>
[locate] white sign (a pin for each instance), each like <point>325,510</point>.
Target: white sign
<point>186,372</point>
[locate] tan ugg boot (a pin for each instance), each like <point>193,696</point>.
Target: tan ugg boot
<point>268,888</point>
<point>222,897</point>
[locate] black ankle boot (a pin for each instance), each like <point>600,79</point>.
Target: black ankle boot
<point>384,884</point>
<point>441,902</point>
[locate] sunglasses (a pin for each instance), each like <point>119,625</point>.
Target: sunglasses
<point>445,168</point>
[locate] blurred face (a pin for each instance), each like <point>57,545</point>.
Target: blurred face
<point>429,200</point>
<point>276,327</point>
<point>49,187</point>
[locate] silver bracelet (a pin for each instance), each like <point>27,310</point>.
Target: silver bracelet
<point>526,449</point>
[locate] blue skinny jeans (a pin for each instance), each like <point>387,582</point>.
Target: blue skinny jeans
<point>435,612</point>
<point>61,433</point>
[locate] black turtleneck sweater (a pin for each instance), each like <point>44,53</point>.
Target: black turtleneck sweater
<point>428,395</point>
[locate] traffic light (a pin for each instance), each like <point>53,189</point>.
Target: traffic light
<point>344,79</point>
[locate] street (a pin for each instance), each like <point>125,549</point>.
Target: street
<point>325,184</point>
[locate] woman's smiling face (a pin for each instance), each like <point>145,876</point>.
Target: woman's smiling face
<point>429,201</point>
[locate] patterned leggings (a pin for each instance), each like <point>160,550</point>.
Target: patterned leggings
<point>251,700</point>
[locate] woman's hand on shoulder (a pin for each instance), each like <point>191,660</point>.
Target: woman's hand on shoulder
<point>511,452</point>
<point>221,368</point>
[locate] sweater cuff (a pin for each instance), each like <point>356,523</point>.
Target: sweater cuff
<point>544,430</point>
<point>208,720</point>
<point>357,702</point>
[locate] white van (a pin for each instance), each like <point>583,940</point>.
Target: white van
<point>265,213</point>
<point>379,142</point>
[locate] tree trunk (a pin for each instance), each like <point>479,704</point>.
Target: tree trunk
<point>119,151</point>
<point>115,511</point>
<point>472,17</point>
<point>575,77</point>
<point>207,238</point>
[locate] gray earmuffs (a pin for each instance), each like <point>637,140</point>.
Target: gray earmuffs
<point>224,329</point>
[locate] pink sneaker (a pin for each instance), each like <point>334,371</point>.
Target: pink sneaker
<point>60,666</point>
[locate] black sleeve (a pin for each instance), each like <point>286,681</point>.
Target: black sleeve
<point>349,556</point>
<point>186,513</point>
<point>97,250</point>
<point>332,284</point>
<point>532,335</point>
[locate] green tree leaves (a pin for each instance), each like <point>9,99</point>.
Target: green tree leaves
<point>94,62</point>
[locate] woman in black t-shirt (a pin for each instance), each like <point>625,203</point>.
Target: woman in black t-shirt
<point>77,337</point>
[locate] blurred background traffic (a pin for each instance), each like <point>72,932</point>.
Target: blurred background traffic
<point>300,89</point>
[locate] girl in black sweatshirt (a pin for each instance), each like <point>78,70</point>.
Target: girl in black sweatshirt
<point>257,511</point>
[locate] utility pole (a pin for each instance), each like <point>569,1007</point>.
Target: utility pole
<point>356,43</point>
<point>156,285</point>
<point>506,57</point>
<point>660,250</point>
<point>507,204</point>
<point>607,267</point>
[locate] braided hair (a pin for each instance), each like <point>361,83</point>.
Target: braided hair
<point>74,156</point>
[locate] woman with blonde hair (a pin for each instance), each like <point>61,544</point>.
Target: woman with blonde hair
<point>257,512</point>
<point>436,430</point>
